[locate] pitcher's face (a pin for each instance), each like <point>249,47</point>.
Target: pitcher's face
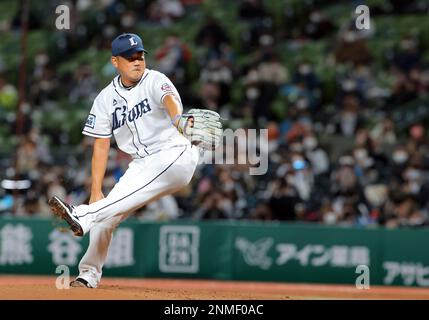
<point>130,68</point>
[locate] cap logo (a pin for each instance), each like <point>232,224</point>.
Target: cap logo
<point>132,41</point>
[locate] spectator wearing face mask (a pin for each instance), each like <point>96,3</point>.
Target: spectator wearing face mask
<point>301,176</point>
<point>399,160</point>
<point>306,83</point>
<point>305,77</point>
<point>318,157</point>
<point>363,164</point>
<point>400,156</point>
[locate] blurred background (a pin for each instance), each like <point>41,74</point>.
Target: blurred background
<point>346,109</point>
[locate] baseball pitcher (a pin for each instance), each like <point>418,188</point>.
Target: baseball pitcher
<point>142,109</point>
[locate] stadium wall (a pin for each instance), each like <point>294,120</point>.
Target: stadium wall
<point>236,250</point>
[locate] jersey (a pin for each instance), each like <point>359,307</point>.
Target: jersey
<point>136,117</point>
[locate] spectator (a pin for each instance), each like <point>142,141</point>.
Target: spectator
<point>335,154</point>
<point>219,74</point>
<point>211,35</point>
<point>172,57</point>
<point>166,11</point>
<point>351,48</point>
<point>252,9</point>
<point>284,201</point>
<point>406,56</point>
<point>86,84</point>
<point>318,26</point>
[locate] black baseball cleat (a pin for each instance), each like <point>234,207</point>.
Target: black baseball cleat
<point>80,282</point>
<point>65,212</point>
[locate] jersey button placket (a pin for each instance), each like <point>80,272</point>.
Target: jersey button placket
<point>128,125</point>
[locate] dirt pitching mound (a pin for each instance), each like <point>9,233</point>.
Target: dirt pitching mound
<point>43,288</point>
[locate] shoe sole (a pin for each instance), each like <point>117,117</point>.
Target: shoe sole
<point>60,211</point>
<point>78,284</point>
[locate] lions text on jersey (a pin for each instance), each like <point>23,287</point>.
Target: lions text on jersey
<point>136,117</point>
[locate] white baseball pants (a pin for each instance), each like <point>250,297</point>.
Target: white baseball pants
<point>145,180</point>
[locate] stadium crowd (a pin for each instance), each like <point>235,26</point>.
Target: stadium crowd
<point>345,152</point>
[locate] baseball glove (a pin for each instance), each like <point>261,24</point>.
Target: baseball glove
<point>202,127</point>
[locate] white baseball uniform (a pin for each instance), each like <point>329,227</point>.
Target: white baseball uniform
<point>163,160</point>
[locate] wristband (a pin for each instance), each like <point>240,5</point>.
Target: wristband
<point>175,119</point>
